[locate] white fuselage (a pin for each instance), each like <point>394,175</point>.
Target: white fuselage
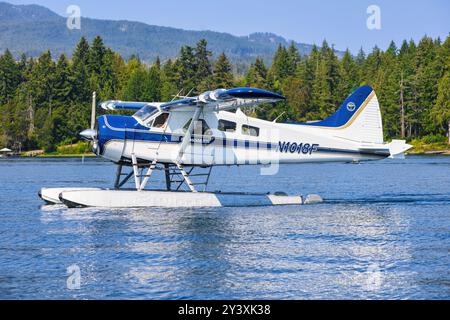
<point>247,141</point>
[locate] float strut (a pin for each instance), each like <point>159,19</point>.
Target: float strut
<point>148,175</point>
<point>168,180</point>
<point>118,175</point>
<point>186,178</point>
<point>137,176</point>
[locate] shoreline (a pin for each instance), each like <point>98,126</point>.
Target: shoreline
<point>430,153</point>
<point>89,155</point>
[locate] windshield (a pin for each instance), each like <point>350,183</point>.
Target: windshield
<point>145,113</point>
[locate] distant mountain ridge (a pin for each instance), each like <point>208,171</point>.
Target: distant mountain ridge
<point>32,29</point>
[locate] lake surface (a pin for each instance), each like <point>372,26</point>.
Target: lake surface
<point>383,233</point>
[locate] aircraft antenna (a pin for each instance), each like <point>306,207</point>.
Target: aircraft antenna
<point>278,118</point>
<point>189,93</point>
<point>177,95</point>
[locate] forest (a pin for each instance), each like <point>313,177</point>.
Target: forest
<point>45,102</point>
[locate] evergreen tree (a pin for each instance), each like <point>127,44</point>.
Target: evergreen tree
<point>63,81</point>
<point>203,66</point>
<point>134,90</point>
<point>321,97</point>
<point>43,82</point>
<point>257,75</point>
<point>23,67</point>
<point>96,69</point>
<point>426,85</point>
<point>120,74</point>
<point>441,108</point>
<point>80,74</point>
<point>389,91</point>
<point>81,53</point>
<point>152,85</point>
<point>96,56</point>
<point>332,74</point>
<point>281,68</point>
<point>108,83</point>
<point>186,70</point>
<point>9,77</point>
<point>223,76</point>
<point>169,82</point>
<point>348,76</point>
<point>298,95</point>
<point>294,58</point>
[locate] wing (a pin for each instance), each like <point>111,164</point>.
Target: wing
<point>222,100</point>
<point>218,100</point>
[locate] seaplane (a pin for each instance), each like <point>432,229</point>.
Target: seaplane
<point>186,138</point>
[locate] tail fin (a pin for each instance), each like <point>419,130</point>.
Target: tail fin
<point>358,119</point>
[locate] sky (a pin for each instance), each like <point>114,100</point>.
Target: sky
<point>342,23</point>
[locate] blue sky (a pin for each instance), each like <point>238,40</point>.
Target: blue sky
<point>342,23</point>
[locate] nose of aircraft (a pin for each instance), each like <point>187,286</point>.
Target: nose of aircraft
<point>92,136</point>
<point>89,134</point>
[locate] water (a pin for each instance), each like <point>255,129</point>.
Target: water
<point>384,233</point>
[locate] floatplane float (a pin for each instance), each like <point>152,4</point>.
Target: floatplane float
<point>186,138</point>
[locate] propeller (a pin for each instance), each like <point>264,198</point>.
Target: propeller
<point>91,134</point>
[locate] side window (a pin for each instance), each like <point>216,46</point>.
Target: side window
<point>200,128</point>
<point>250,131</point>
<point>145,113</point>
<point>161,121</point>
<point>227,126</point>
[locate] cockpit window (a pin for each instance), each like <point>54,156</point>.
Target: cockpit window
<point>161,121</point>
<point>145,113</point>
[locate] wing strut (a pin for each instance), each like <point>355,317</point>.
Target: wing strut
<point>189,133</point>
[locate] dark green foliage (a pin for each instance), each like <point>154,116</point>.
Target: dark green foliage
<point>45,103</point>
<point>257,75</point>
<point>223,76</point>
<point>9,77</point>
<point>203,67</point>
<point>152,84</point>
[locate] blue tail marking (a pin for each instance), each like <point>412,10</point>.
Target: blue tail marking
<point>350,106</point>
